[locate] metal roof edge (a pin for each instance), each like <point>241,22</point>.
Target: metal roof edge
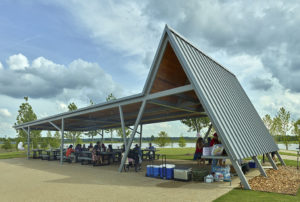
<point>155,59</point>
<point>60,115</point>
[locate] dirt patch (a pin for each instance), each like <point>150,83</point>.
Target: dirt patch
<point>285,180</point>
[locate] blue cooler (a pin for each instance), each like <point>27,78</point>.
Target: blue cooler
<point>149,170</point>
<point>252,164</point>
<point>156,170</point>
<point>162,172</point>
<point>170,171</point>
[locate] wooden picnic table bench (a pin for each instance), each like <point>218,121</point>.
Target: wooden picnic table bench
<point>146,154</point>
<point>37,153</point>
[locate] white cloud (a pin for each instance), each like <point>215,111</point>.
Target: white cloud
<point>46,79</point>
<point>5,113</point>
<point>1,66</point>
<point>17,62</point>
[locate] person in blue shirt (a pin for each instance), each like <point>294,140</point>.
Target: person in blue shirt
<point>151,147</point>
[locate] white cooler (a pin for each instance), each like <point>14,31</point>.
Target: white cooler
<point>183,174</point>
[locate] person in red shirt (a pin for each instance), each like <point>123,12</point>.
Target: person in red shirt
<point>215,140</point>
<point>69,151</point>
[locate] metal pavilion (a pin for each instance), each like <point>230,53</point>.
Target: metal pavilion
<point>183,83</point>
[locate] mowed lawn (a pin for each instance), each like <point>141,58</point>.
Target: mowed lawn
<point>13,154</point>
<point>177,153</point>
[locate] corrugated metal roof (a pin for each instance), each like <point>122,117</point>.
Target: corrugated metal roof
<point>234,117</point>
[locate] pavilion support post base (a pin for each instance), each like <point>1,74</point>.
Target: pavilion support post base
<point>280,159</point>
<point>271,161</point>
<point>261,170</point>
<point>241,175</point>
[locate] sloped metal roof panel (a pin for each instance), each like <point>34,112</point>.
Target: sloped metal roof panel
<point>238,124</point>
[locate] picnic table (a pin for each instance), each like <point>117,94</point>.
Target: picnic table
<point>150,154</point>
<point>87,156</point>
<point>53,153</point>
<point>37,153</point>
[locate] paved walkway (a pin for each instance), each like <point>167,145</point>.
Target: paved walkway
<point>37,180</point>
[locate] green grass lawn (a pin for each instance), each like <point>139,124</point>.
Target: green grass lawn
<point>287,153</point>
<point>248,195</point>
<point>178,153</point>
<point>12,154</point>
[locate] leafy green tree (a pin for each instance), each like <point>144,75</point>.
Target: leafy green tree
<point>78,141</point>
<point>120,132</point>
<point>296,130</point>
<point>152,138</point>
<point>44,143</point>
<point>7,144</point>
<point>181,141</point>
<point>91,134</point>
<point>196,124</point>
<point>110,97</point>
<point>73,135</point>
<point>163,139</point>
<point>55,140</point>
<point>26,114</point>
<point>272,125</point>
<point>282,125</point>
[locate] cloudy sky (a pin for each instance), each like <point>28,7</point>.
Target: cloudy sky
<point>57,52</point>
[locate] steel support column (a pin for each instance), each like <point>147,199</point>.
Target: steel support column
<point>271,161</point>
<point>207,133</point>
<point>141,134</point>
<point>123,126</point>
<point>62,141</point>
<point>240,173</point>
<point>280,159</point>
<point>261,169</point>
<point>28,142</point>
<point>139,117</point>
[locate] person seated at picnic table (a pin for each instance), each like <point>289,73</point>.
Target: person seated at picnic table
<point>151,147</point>
<point>78,148</point>
<point>110,149</point>
<point>103,147</point>
<point>199,151</point>
<point>96,154</point>
<point>90,147</point>
<point>136,155</point>
<point>69,151</point>
<point>151,153</point>
<point>214,141</point>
